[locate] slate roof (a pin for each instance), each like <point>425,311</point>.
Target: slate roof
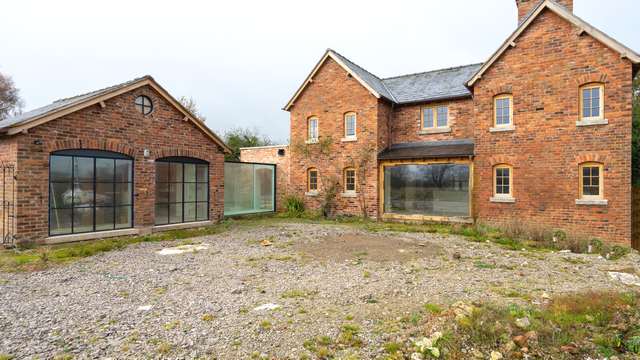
<point>420,87</point>
<point>428,150</point>
<point>61,104</point>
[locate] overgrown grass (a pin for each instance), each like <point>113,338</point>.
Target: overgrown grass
<point>42,257</point>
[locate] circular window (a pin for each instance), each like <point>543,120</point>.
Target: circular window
<point>144,105</point>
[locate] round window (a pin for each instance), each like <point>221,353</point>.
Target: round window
<point>144,105</point>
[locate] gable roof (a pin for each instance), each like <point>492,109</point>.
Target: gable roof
<point>62,107</point>
<point>421,87</point>
<point>561,11</point>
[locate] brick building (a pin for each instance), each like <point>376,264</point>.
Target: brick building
<point>540,133</point>
<point>124,160</point>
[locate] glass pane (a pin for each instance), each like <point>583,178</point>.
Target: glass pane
<point>105,170</point>
<point>433,190</point>
<point>263,190</point>
<point>595,171</point>
<point>189,172</point>
<point>61,168</point>
<point>175,172</point>
<point>190,212</point>
<point>60,221</point>
<point>238,188</point>
<point>202,173</point>
<point>124,170</point>
<point>104,194</point>
<point>162,214</point>
<point>162,172</point>
<point>175,193</point>
<point>175,213</point>
<point>83,194</point>
<point>123,217</point>
<point>427,118</point>
<point>104,218</point>
<point>443,114</point>
<point>189,192</point>
<point>83,169</point>
<point>123,193</point>
<point>82,220</point>
<point>203,213</point>
<point>162,193</point>
<point>202,192</point>
<point>60,195</point>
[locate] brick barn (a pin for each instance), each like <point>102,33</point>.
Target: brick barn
<point>124,160</point>
<point>540,133</point>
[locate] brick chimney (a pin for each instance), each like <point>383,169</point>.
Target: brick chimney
<point>525,7</point>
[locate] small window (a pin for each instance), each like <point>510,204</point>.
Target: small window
<point>350,180</point>
<point>350,125</point>
<point>435,117</point>
<point>591,181</point>
<point>592,102</point>
<point>144,105</point>
<point>503,114</point>
<point>312,180</point>
<point>313,129</point>
<point>503,181</point>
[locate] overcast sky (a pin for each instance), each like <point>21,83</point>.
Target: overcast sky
<point>240,60</point>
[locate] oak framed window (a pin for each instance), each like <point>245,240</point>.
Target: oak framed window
<point>349,180</point>
<point>312,180</point>
<point>435,117</point>
<point>503,111</point>
<point>592,102</point>
<point>591,181</point>
<point>503,181</point>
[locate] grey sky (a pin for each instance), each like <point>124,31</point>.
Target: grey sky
<point>242,60</point>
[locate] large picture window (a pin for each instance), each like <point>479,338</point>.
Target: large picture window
<point>89,190</point>
<point>182,190</point>
<point>427,189</point>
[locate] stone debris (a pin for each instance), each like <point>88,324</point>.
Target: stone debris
<point>268,307</point>
<point>144,307</point>
<point>625,278</point>
<point>183,249</point>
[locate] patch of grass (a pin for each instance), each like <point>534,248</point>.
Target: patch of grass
<point>483,265</point>
<point>432,308</point>
<point>207,317</point>
<point>171,325</point>
<point>366,274</point>
<point>5,357</point>
<point>349,335</point>
<point>392,347</point>
<point>297,293</point>
<point>164,348</point>
<point>31,259</point>
<point>265,325</point>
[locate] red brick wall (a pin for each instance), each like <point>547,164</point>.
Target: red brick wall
<point>544,72</point>
<point>407,123</point>
<point>269,155</point>
<point>118,127</point>
<point>525,6</point>
<point>332,94</point>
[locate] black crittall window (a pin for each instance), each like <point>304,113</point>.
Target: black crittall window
<point>182,190</point>
<point>89,190</point>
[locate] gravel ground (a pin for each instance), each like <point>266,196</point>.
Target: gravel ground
<point>136,303</point>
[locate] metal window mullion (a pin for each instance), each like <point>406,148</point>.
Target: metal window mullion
<point>94,194</point>
<point>73,190</point>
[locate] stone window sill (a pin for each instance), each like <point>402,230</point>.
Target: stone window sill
<point>312,141</point>
<point>187,225</point>
<point>349,139</point>
<point>349,194</point>
<point>503,199</point>
<point>593,202</point>
<point>311,193</point>
<point>59,239</point>
<point>441,130</point>
<point>502,128</point>
<point>591,122</point>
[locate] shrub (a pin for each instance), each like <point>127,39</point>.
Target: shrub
<point>294,206</point>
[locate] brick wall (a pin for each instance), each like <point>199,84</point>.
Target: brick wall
<point>121,128</point>
<point>544,71</point>
<point>269,155</point>
<point>525,7</point>
<point>332,94</point>
<point>407,123</point>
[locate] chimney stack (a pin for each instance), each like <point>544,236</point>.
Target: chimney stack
<point>526,6</point>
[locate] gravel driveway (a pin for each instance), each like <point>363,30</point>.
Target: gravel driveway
<point>135,303</point>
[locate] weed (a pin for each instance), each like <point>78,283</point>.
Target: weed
<point>207,317</point>
<point>483,265</point>
<point>392,347</point>
<point>433,308</point>
<point>349,336</point>
<point>172,325</point>
<point>294,206</point>
<point>265,325</point>
<point>366,274</point>
<point>297,293</point>
<point>164,348</point>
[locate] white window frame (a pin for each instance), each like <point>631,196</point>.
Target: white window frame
<point>347,116</point>
<point>495,111</point>
<point>312,136</point>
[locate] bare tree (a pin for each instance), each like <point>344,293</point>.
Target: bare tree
<point>191,105</point>
<point>10,102</point>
